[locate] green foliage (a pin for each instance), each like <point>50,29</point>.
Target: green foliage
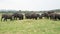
<point>27,11</point>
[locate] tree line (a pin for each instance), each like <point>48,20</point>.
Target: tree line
<point>26,11</point>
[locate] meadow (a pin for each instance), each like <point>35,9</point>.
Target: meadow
<point>30,26</point>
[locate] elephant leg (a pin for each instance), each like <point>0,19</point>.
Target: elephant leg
<point>55,19</point>
<point>22,18</point>
<point>19,18</point>
<point>40,17</point>
<point>51,18</point>
<point>59,18</point>
<point>47,17</point>
<point>14,18</point>
<point>36,18</point>
<point>5,19</point>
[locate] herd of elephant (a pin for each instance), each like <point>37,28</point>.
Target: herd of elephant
<point>49,15</point>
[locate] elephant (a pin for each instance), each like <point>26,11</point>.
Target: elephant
<point>18,15</point>
<point>40,16</point>
<point>28,16</point>
<point>47,14</point>
<point>34,16</point>
<point>31,16</point>
<point>6,16</point>
<point>55,16</point>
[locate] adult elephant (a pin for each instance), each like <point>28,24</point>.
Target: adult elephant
<point>47,14</point>
<point>34,16</point>
<point>28,16</point>
<point>31,16</point>
<point>6,16</point>
<point>55,16</point>
<point>18,15</point>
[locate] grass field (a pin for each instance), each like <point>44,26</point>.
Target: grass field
<point>30,26</point>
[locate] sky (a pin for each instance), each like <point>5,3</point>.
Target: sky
<point>33,5</point>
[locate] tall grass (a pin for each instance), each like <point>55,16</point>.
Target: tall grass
<point>30,26</point>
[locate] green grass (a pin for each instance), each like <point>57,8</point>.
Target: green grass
<point>30,26</point>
